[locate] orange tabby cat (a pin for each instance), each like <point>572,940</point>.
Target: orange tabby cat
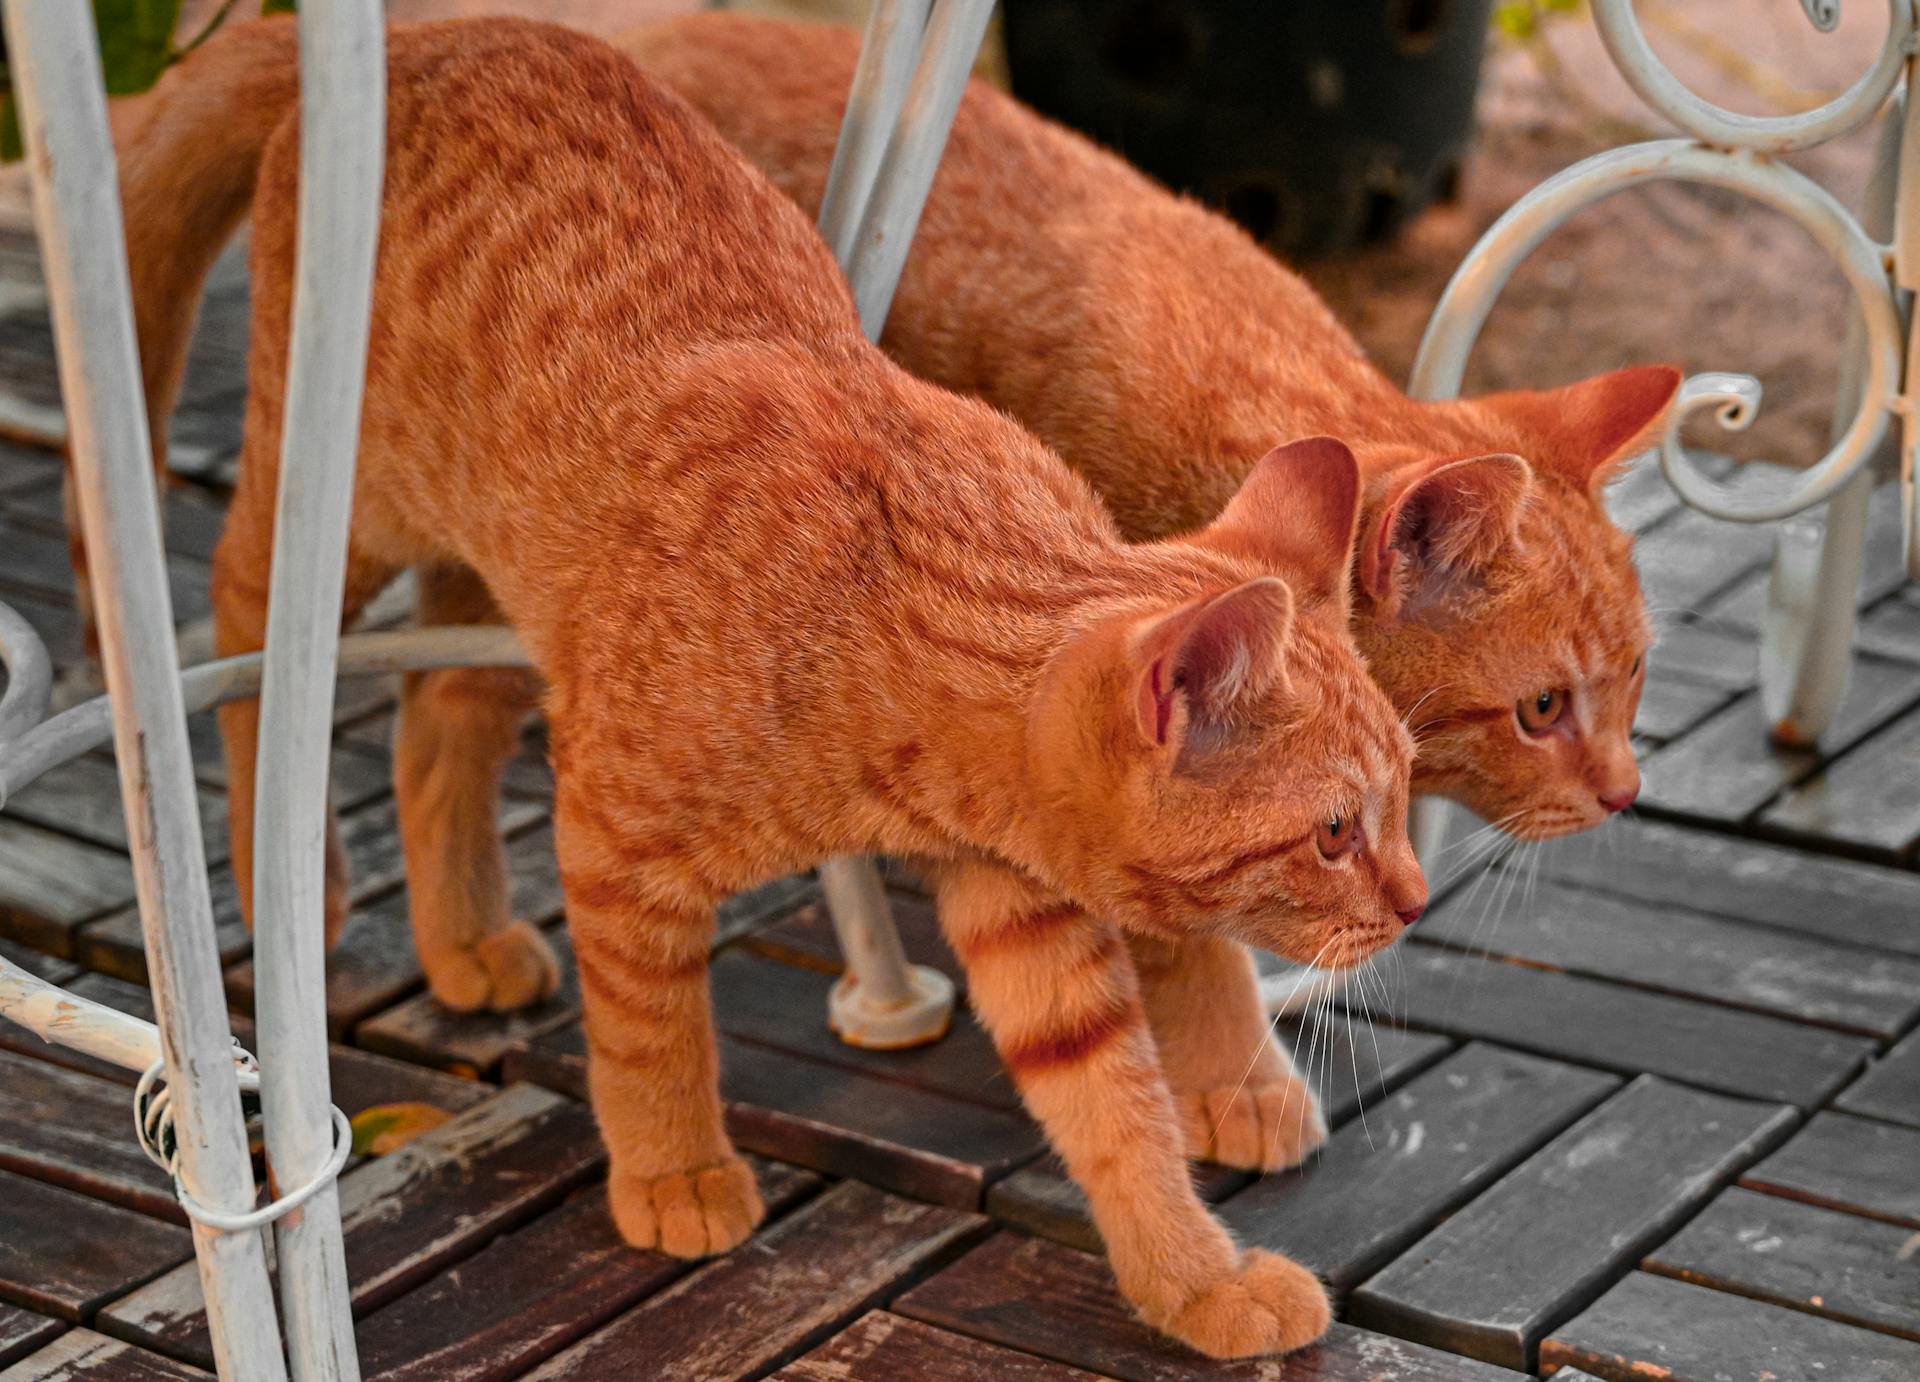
<point>1161,351</point>
<point>789,601</point>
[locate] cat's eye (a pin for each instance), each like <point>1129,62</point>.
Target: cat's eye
<point>1540,712</point>
<point>1338,836</point>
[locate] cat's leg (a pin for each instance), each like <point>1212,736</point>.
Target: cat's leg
<point>642,930</point>
<point>1241,1102</point>
<point>1058,992</point>
<point>457,729</point>
<point>242,564</point>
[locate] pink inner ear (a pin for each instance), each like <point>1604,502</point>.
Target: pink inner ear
<point>1156,701</point>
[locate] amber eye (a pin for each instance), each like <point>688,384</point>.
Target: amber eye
<point>1539,713</point>
<point>1338,836</point>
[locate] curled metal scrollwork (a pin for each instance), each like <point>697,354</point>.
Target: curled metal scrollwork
<point>1471,294</point>
<point>1772,134</point>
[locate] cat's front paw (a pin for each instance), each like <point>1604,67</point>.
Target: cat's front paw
<point>688,1213</point>
<point>1258,1127</point>
<point>1269,1304</point>
<point>502,972</point>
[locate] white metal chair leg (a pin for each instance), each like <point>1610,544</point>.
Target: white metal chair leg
<point>1813,591</point>
<point>883,167</point>
<point>55,62</point>
<point>1806,649</point>
<point>881,1002</point>
<point>342,162</point>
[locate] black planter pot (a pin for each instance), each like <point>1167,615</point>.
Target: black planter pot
<point>1317,124</point>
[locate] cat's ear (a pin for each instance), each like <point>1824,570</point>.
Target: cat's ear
<point>1295,514</point>
<point>1441,517</point>
<point>1195,666</point>
<point>1584,431</point>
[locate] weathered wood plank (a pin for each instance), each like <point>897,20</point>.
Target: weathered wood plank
<point>883,1347</point>
<point>1854,1164</point>
<point>1687,560</point>
<point>1706,653</point>
<point>1041,1198</point>
<point>784,1006</point>
<point>1865,802</point>
<point>375,967</point>
<point>81,1353</point>
<point>1890,1089</point>
<point>531,1293</point>
<point>1727,769</point>
<point>371,838</point>
<point>421,1029</point>
<point>1669,707</point>
<point>38,963</point>
<point>50,884</point>
<point>1547,1238</point>
<point>64,1254</point>
<point>893,1136</point>
<point>1431,1147</point>
<point>76,1130</point>
<point>808,1274</point>
<point>407,1215</point>
<point>1857,1271</point>
<point>1049,1300</point>
<point>360,1079</point>
<point>22,1331</point>
<point>1832,899</point>
<point>1651,1327</point>
<point>805,939</point>
<point>82,799</point>
<point>1691,954</point>
<point>1627,1030</point>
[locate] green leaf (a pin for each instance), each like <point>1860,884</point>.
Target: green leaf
<point>136,41</point>
<point>1517,20</point>
<point>278,6</point>
<point>12,149</point>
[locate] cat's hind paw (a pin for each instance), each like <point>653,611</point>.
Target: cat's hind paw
<point>1258,1127</point>
<point>501,972</point>
<point>688,1213</point>
<point>1270,1304</point>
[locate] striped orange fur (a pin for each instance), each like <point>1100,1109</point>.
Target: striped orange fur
<point>786,601</point>
<point>1161,352</point>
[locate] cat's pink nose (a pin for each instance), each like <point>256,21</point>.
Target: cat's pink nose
<point>1409,915</point>
<point>1614,802</point>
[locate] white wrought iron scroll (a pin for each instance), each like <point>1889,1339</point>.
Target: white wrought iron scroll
<point>1807,643</point>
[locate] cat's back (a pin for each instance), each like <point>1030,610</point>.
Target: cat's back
<point>546,200</point>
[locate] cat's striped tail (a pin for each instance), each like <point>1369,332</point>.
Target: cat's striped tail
<point>186,181</point>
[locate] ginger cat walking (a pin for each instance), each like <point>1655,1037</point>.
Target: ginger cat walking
<point>1161,352</point>
<point>787,601</point>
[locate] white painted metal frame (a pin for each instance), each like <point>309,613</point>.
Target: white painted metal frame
<point>55,60</point>
<point>1808,639</point>
<point>891,140</point>
<point>189,1114</point>
<point>343,108</point>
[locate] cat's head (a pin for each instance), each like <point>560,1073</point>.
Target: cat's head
<point>1498,605</point>
<point>1221,761</point>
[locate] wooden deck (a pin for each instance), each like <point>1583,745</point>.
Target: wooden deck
<point>1649,1104</point>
